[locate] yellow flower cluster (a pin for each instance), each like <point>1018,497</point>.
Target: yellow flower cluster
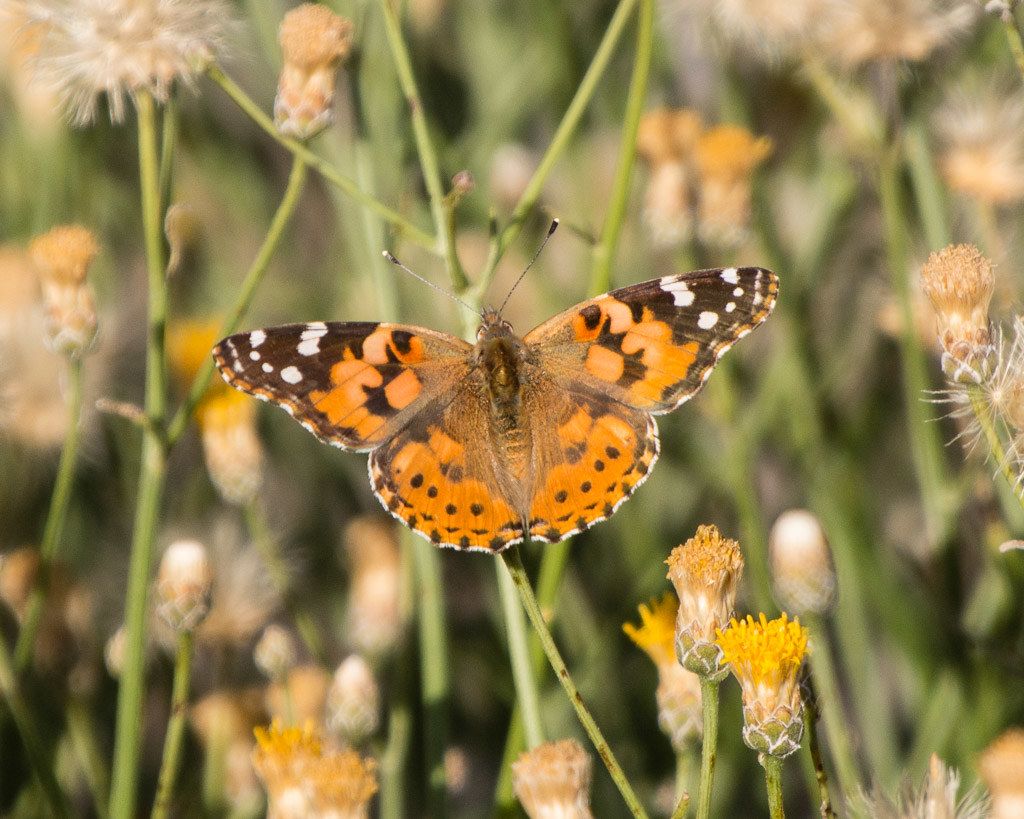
<point>764,651</point>
<point>657,631</point>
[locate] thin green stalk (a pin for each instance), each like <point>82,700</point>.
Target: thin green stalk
<point>56,518</point>
<point>42,768</point>
<point>434,681</point>
<point>519,654</point>
<point>709,748</point>
<point>266,545</point>
<point>773,780</point>
<point>424,147</point>
<point>687,767</point>
<point>604,251</point>
<point>168,139</point>
<point>82,731</point>
<point>925,442</point>
<point>818,790</point>
<point>128,734</point>
<point>522,583</point>
<point>174,740</point>
<point>560,141</point>
<point>995,445</point>
<point>1013,39</point>
<point>252,280</point>
<point>318,163</point>
<point>929,194</point>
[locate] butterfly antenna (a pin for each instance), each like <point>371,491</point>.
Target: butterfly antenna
<point>391,258</point>
<point>551,231</point>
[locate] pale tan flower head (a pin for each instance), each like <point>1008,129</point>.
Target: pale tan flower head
<point>1002,767</point>
<point>801,563</point>
<point>981,136</point>
<point>553,781</point>
<point>678,694</point>
<point>665,140</point>
<point>303,779</point>
<point>275,652</point>
<point>705,571</point>
<point>861,31</point>
<point>231,445</point>
<point>765,656</point>
<point>959,282</point>
<point>727,157</point>
<point>374,616</point>
<point>314,40</point>
<point>183,585</point>
<point>122,47</point>
<point>63,256</point>
<point>353,701</point>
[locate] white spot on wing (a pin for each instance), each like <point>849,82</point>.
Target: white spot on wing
<point>707,320</point>
<point>267,368</point>
<point>730,275</point>
<point>681,293</point>
<point>738,292</point>
<point>255,356</point>
<point>256,338</point>
<point>309,346</point>
<point>730,307</point>
<point>291,375</point>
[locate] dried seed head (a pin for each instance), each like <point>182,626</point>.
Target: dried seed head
<point>314,40</point>
<point>183,585</point>
<point>934,798</point>
<point>353,702</point>
<point>374,617</point>
<point>553,780</point>
<point>1002,767</point>
<point>63,256</point>
<point>231,445</point>
<point>275,652</point>
<point>302,696</point>
<point>303,779</point>
<point>959,282</point>
<point>801,563</point>
<point>726,159</point>
<point>765,656</point>
<point>705,571</point>
<point>122,47</point>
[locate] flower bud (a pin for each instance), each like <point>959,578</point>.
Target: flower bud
<point>353,701</point>
<point>801,563</point>
<point>275,652</point>
<point>183,585</point>
<point>63,257</point>
<point>553,780</point>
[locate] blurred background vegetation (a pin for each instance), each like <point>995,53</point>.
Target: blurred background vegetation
<point>823,408</point>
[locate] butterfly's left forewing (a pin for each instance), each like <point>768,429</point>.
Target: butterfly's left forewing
<point>352,384</point>
<point>652,345</point>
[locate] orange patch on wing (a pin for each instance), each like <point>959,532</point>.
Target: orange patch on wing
<point>403,389</point>
<point>605,364</point>
<point>381,342</point>
<point>610,456</point>
<point>344,403</point>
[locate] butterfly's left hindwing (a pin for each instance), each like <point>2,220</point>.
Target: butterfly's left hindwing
<point>352,384</point>
<point>652,345</point>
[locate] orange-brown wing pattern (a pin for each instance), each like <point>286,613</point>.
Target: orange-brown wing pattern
<point>443,477</point>
<point>352,384</point>
<point>652,345</point>
<point>590,454</point>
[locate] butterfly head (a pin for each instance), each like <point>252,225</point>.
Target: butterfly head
<point>498,352</point>
<point>493,325</point>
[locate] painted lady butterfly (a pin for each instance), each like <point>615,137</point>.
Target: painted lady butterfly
<point>478,446</point>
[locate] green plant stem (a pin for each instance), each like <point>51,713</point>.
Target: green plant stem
<point>151,479</point>
<point>929,195</point>
<point>522,583</point>
<point>519,654</point>
<point>925,443</point>
<point>82,731</point>
<point>559,142</point>
<point>995,444</point>
<point>773,780</point>
<point>1013,39</point>
<point>819,786</point>
<point>252,280</point>
<point>604,251</point>
<point>42,768</point>
<point>686,768</point>
<point>174,740</point>
<point>168,140</point>
<point>56,518</point>
<point>266,545</point>
<point>709,748</point>
<point>424,146</point>
<point>319,164</point>
<point>434,680</point>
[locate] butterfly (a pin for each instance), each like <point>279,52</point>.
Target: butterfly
<point>479,446</point>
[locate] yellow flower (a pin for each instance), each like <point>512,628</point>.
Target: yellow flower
<point>303,779</point>
<point>666,139</point>
<point>657,632</point>
<point>726,159</point>
<point>959,282</point>
<point>189,345</point>
<point>765,656</point>
<point>231,445</point>
<point>705,572</point>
